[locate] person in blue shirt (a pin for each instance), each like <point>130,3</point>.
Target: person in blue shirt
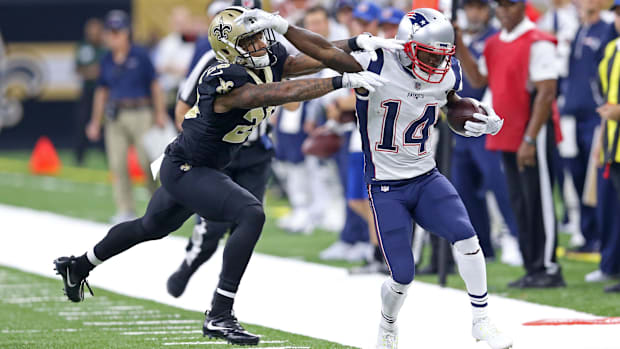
<point>475,169</point>
<point>126,94</point>
<point>581,96</point>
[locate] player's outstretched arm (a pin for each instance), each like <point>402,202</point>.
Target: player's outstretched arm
<point>251,96</point>
<point>303,64</point>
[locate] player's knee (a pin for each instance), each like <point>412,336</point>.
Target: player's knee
<point>253,214</point>
<point>468,246</point>
<point>403,276</point>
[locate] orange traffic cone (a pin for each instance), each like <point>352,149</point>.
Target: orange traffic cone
<point>133,164</point>
<point>44,159</point>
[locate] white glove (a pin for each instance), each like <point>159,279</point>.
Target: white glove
<point>371,43</point>
<point>256,20</point>
<point>364,79</point>
<point>490,123</point>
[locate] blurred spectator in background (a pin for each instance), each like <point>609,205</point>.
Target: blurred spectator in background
<point>580,96</point>
<point>609,190</point>
<point>356,244</point>
<point>174,52</point>
<point>524,90</point>
<point>202,45</point>
<point>87,56</point>
<point>476,170</point>
<point>366,19</point>
<point>344,13</point>
<point>126,93</point>
<point>561,20</point>
<point>389,20</point>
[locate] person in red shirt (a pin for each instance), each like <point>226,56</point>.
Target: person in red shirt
<point>518,66</point>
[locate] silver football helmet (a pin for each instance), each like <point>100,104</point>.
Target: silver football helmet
<point>429,33</point>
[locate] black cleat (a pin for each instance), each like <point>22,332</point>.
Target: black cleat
<point>178,280</point>
<point>74,284</point>
<point>226,326</point>
<point>540,280</point>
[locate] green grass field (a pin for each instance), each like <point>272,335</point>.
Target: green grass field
<point>86,193</point>
<point>35,314</point>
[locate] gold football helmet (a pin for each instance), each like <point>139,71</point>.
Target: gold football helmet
<point>234,44</point>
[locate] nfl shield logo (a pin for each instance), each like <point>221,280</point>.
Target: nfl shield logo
<point>417,85</point>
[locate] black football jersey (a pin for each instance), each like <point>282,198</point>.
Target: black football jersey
<point>211,139</point>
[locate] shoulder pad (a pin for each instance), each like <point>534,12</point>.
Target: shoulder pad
<point>221,78</point>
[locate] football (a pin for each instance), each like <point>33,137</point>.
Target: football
<point>462,111</point>
<point>322,142</point>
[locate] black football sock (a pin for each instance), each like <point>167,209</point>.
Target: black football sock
<point>222,303</point>
<point>83,265</point>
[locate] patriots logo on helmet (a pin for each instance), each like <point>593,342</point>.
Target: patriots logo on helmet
<point>417,19</point>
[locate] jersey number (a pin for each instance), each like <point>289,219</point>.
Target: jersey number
<point>416,133</point>
<point>241,133</point>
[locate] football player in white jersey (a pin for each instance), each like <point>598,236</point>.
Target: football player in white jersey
<point>404,185</point>
<point>395,122</point>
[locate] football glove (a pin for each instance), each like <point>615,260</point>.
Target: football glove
<point>256,20</point>
<point>489,124</point>
<point>363,79</point>
<point>371,43</point>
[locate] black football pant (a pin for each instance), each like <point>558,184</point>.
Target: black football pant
<point>531,196</point>
<point>207,234</point>
<point>209,193</point>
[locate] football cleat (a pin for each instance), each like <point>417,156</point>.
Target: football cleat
<point>387,338</point>
<point>484,330</point>
<point>226,326</point>
<point>74,284</point>
<point>178,280</point>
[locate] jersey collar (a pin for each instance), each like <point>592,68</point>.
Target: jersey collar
<point>521,28</point>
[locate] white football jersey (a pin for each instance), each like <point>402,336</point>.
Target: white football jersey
<point>396,121</point>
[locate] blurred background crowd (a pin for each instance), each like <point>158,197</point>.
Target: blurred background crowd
<point>57,83</point>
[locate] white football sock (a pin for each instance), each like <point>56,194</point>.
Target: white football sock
<point>393,296</point>
<point>472,267</point>
<point>90,255</point>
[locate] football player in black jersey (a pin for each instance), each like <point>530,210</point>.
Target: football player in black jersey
<point>234,96</point>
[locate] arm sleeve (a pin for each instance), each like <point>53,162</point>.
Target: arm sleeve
<point>482,66</point>
<point>148,68</point>
<point>187,92</point>
<point>219,80</point>
<point>543,61</point>
<point>458,75</point>
<point>102,80</point>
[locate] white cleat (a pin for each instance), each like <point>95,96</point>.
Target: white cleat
<point>387,338</point>
<point>484,330</point>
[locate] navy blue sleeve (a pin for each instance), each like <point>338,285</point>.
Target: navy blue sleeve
<point>456,68</point>
<point>219,79</point>
<point>146,65</point>
<point>106,63</point>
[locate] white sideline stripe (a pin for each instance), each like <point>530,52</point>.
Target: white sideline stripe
<point>434,317</point>
<point>141,333</point>
<point>129,323</point>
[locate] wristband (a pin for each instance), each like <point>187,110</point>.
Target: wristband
<point>337,82</point>
<point>529,140</point>
<point>353,44</point>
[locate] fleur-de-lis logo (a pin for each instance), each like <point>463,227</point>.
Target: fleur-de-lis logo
<point>224,87</point>
<point>221,31</point>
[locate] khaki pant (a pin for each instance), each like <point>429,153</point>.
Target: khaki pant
<point>126,130</point>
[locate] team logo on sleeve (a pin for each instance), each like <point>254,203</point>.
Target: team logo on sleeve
<point>221,31</point>
<point>224,87</point>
